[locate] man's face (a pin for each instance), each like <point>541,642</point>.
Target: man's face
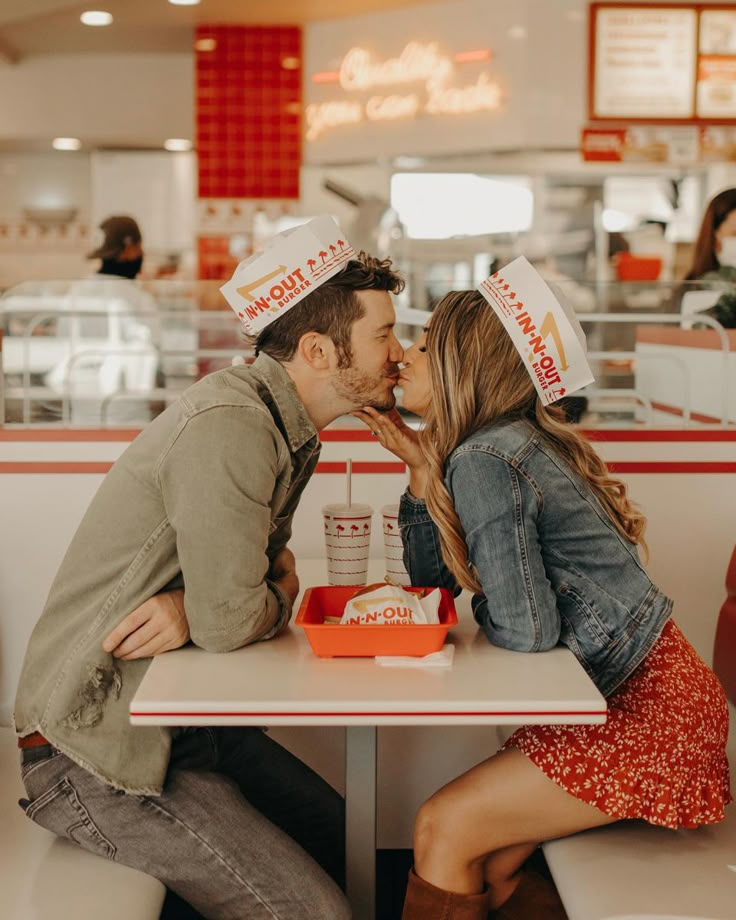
<point>374,368</point>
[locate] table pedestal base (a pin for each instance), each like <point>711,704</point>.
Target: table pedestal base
<point>360,820</point>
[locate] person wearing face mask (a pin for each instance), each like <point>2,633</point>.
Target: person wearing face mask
<point>121,250</point>
<point>715,253</point>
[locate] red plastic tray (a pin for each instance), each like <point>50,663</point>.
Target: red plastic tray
<point>333,640</point>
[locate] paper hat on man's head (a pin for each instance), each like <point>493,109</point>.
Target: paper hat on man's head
<point>268,284</point>
<point>544,330</point>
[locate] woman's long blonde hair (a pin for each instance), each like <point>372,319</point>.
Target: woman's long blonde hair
<point>478,378</point>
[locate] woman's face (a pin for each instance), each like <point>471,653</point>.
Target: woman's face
<point>726,229</point>
<point>414,377</point>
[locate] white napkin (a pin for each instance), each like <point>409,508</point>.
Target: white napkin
<point>441,659</point>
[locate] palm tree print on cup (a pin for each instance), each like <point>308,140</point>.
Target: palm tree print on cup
<point>347,530</point>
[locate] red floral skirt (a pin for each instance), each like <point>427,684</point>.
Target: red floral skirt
<point>661,754</point>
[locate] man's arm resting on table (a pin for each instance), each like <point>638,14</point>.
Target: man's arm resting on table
<point>217,482</point>
<point>160,624</point>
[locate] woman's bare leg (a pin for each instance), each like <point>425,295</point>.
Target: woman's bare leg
<point>502,803</point>
<point>501,870</point>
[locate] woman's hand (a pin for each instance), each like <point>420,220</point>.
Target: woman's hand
<point>158,625</point>
<point>394,434</point>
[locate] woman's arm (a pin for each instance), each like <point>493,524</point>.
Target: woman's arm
<point>422,554</point>
<point>498,509</point>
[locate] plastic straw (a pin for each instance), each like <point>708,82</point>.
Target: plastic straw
<point>350,481</point>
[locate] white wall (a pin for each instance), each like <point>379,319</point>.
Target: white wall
<point>43,180</point>
<point>158,188</point>
<point>132,99</point>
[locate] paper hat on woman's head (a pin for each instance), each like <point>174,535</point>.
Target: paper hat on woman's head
<point>268,284</point>
<point>545,332</point>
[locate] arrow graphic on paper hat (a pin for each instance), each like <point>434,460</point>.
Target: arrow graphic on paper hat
<point>245,290</point>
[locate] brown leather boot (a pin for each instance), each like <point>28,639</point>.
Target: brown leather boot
<point>425,902</point>
<point>534,898</point>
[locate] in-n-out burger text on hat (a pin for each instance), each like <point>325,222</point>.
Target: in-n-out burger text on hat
<point>266,285</point>
<point>535,324</point>
<point>279,294</point>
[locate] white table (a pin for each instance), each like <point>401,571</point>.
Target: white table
<point>281,682</point>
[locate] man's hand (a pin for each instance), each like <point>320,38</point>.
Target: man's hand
<point>283,564</point>
<point>158,625</point>
<point>283,573</point>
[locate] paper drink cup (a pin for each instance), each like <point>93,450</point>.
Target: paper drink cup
<point>393,547</point>
<point>347,541</point>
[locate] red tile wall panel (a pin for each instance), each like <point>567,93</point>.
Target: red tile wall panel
<point>248,102</point>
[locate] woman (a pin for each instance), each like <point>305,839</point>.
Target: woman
<point>507,501</point>
<point>715,246</point>
<point>715,254</point>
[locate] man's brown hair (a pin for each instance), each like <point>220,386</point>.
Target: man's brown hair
<point>331,309</point>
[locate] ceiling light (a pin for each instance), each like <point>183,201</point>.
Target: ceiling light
<point>184,2</point>
<point>178,144</point>
<point>205,44</point>
<point>290,63</point>
<point>96,18</point>
<point>66,143</point>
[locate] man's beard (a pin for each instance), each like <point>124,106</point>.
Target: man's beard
<point>362,389</point>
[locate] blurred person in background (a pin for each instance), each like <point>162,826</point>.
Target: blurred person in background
<point>714,258</point>
<point>121,250</point>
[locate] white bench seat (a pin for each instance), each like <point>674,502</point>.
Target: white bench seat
<point>632,869</point>
<point>44,876</point>
<point>635,871</point>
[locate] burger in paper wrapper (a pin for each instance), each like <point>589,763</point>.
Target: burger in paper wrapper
<point>391,605</point>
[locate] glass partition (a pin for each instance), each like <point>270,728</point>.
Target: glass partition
<point>112,352</point>
<point>115,353</point>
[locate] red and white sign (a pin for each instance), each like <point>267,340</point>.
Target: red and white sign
<point>642,144</point>
<point>549,339</point>
<point>267,285</point>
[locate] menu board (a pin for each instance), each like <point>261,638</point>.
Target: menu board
<point>644,62</point>
<point>663,63</point>
<point>716,94</point>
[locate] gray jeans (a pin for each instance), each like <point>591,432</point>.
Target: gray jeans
<point>243,829</point>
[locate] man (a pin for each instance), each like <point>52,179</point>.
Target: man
<point>121,250</point>
<point>204,498</point>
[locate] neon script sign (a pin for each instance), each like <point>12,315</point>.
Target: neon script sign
<point>362,72</point>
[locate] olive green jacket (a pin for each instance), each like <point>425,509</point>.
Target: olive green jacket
<point>203,498</point>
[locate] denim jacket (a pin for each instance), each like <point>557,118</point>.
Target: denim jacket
<point>553,567</point>
<point>203,499</point>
